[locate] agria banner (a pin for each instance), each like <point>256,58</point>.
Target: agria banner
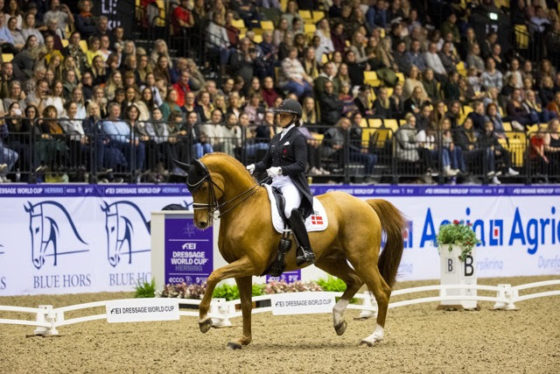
<point>57,239</point>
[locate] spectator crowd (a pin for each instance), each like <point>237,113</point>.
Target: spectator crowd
<point>452,98</point>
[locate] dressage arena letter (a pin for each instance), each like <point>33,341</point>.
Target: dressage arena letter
<point>3,283</point>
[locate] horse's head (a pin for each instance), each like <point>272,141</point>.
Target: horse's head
<point>38,245</point>
<point>206,188</point>
<point>112,229</point>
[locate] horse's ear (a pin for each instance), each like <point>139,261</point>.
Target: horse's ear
<point>183,166</point>
<point>28,208</point>
<point>199,167</point>
<point>105,208</point>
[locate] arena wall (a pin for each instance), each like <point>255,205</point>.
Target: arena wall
<point>57,239</point>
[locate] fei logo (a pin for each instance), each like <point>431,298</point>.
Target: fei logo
<point>127,230</point>
<point>53,232</point>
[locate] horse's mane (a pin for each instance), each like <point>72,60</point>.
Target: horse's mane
<point>225,163</point>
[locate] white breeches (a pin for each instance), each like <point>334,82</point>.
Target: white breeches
<point>291,194</point>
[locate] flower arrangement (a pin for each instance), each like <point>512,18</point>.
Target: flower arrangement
<point>458,233</point>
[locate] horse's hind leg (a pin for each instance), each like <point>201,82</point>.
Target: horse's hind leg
<point>245,294</point>
<point>367,269</point>
<point>338,267</point>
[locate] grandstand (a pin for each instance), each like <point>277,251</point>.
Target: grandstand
<point>435,91</point>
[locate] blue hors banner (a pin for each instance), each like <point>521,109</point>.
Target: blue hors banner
<point>57,239</point>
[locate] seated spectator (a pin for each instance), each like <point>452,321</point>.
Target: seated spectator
<point>406,146</point>
<point>458,164</point>
<point>60,16</point>
<point>489,140</point>
<point>474,60</point>
<point>415,56</point>
<point>537,113</point>
<point>261,139</point>
<point>433,61</point>
<point>493,115</point>
<point>448,58</point>
<point>415,102</point>
<point>411,82</point>
<point>330,105</point>
<point>517,112</point>
<point>85,21</point>
<point>51,150</point>
<point>552,146</point>
<point>230,133</point>
<point>182,87</point>
<point>491,77</point>
<point>539,160</point>
<point>8,157</point>
<point>384,106</point>
<point>309,116</point>
<point>218,41</point>
<point>182,19</point>
<point>431,86</point>
<point>76,139</point>
<point>554,105</point>
<point>7,42</point>
<point>122,138</point>
<point>477,116</point>
<point>334,142</point>
<point>297,81</point>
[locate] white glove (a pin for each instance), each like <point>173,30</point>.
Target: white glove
<point>274,171</point>
<point>251,168</point>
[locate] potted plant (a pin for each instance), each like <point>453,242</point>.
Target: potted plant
<point>457,234</point>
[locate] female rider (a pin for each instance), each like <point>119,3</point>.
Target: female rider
<point>285,163</point>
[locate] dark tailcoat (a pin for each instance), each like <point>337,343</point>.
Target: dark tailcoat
<point>290,154</point>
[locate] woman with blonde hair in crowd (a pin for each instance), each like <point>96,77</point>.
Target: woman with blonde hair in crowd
<point>55,65</point>
<point>144,67</point>
<point>99,98</point>
<point>98,71</point>
<point>160,49</point>
<point>280,31</point>
<point>323,31</point>
<point>56,98</point>
<point>94,45</point>
<point>411,82</point>
<point>204,107</point>
<point>114,82</point>
<point>220,103</point>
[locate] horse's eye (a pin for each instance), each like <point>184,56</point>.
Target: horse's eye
<point>112,228</point>
<point>36,230</point>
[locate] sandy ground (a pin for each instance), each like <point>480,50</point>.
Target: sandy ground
<point>419,339</point>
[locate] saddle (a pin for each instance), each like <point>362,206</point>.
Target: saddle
<point>316,222</point>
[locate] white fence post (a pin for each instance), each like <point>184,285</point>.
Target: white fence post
<point>369,301</point>
<point>506,296</point>
<point>221,310</point>
<point>46,315</point>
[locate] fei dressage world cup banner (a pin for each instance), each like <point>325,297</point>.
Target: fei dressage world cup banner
<point>57,239</point>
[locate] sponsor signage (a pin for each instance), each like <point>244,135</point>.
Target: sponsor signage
<point>142,310</point>
<point>302,303</point>
<point>188,252</point>
<point>57,239</point>
<point>287,276</point>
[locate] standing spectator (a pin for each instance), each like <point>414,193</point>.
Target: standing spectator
<point>61,14</point>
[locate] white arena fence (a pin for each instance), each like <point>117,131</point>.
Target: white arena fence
<point>48,319</point>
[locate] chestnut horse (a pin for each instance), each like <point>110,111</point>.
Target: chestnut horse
<point>248,241</point>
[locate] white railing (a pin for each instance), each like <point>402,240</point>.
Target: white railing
<point>47,318</point>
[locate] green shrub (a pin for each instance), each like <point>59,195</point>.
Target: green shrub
<point>332,284</point>
<point>145,289</point>
<point>226,291</point>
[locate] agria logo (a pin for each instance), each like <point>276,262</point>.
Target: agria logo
<point>53,233</point>
<point>127,229</point>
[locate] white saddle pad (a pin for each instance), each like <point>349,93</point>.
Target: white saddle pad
<point>317,221</point>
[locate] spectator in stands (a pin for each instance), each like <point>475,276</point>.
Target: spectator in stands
<point>231,134</point>
<point>384,106</point>
<point>539,160</point>
<point>330,105</point>
<point>552,147</point>
<point>489,140</point>
<point>122,138</point>
<point>8,157</point>
<point>268,92</point>
<point>493,115</point>
<point>182,19</point>
<point>297,81</point>
<point>61,14</point>
<point>218,41</point>
<point>474,60</point>
<point>431,86</point>
<point>517,112</point>
<point>554,105</point>
<point>182,87</point>
<point>433,61</point>
<point>536,112</point>
<point>492,77</point>
<point>413,82</point>
<point>415,56</point>
<point>85,21</point>
<point>407,149</point>
<point>414,102</point>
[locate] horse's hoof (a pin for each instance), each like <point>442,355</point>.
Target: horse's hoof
<point>367,343</point>
<point>205,325</point>
<point>341,328</point>
<point>233,345</point>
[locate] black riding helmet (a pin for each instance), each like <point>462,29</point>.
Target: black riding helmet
<point>290,106</point>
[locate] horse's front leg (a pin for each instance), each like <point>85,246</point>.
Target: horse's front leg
<point>237,269</point>
<point>245,293</point>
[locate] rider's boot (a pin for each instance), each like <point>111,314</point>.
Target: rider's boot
<point>304,253</point>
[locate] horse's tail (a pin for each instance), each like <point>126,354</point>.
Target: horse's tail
<point>393,223</point>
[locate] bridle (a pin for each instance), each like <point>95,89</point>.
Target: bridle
<point>214,205</point>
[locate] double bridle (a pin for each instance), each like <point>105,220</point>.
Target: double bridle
<point>214,204</point>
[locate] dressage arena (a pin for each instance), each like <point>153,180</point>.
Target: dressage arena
<point>418,338</point>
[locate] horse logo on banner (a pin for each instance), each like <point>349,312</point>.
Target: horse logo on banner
<point>53,232</point>
<point>124,219</point>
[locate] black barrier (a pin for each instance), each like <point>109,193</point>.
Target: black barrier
<point>100,151</point>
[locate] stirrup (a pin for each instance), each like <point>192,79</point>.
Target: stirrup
<point>304,256</point>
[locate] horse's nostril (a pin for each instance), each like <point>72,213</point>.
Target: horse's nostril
<point>202,223</point>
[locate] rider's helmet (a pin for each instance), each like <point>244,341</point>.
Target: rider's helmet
<point>290,106</point>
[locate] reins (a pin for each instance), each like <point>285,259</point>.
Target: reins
<point>214,205</point>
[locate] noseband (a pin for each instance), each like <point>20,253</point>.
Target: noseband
<point>202,175</point>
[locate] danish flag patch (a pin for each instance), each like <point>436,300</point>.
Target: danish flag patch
<point>316,219</point>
